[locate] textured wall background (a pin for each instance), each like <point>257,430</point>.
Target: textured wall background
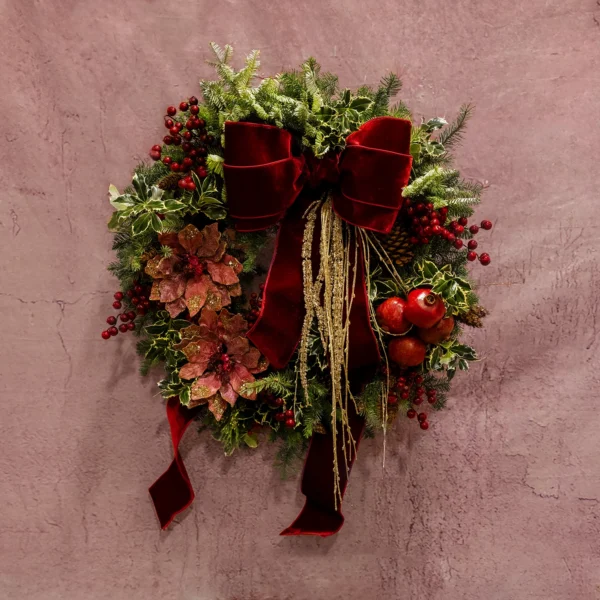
<point>499,500</point>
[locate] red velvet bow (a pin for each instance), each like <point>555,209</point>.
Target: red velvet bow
<point>264,181</point>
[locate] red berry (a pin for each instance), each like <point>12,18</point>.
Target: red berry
<point>116,305</point>
<point>392,399</point>
<point>167,140</point>
<point>174,167</point>
<point>419,391</point>
<point>411,413</point>
<point>458,244</point>
<point>123,328</point>
<point>436,230</point>
<point>202,172</point>
<point>131,315</point>
<point>181,184</point>
<point>472,245</point>
<point>451,238</point>
<point>135,301</point>
<point>189,124</point>
<point>486,224</point>
<point>130,293</point>
<point>418,400</point>
<point>288,414</point>
<point>191,186</point>
<point>290,423</point>
<point>418,380</point>
<point>471,256</point>
<point>141,311</point>
<point>156,148</point>
<point>130,326</point>
<point>463,221</point>
<point>113,331</point>
<point>167,160</point>
<point>485,259</point>
<point>118,296</point>
<point>432,399</point>
<point>184,106</point>
<point>174,131</point>
<point>187,163</point>
<point>169,123</point>
<point>111,320</point>
<point>193,100</point>
<point>201,122</point>
<point>194,110</point>
<point>422,417</point>
<point>105,335</point>
<point>154,155</point>
<point>124,317</point>
<point>171,111</point>
<point>138,289</point>
<point>186,147</point>
<point>177,141</point>
<point>279,416</point>
<point>187,135</point>
<point>474,229</point>
<point>424,425</point>
<point>459,228</point>
<point>278,402</point>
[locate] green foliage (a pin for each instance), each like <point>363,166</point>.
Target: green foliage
<point>449,356</point>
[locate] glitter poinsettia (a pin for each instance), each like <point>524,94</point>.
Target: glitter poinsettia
<point>221,360</point>
<point>196,271</point>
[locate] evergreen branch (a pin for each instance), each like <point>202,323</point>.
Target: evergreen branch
<point>452,135</point>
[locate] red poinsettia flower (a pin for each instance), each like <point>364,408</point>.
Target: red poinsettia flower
<point>197,273</point>
<point>221,360</point>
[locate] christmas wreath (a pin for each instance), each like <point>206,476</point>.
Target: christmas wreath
<point>357,318</point>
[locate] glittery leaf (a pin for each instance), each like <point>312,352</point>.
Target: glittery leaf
<point>238,347</point>
<point>228,393</point>
<point>155,291</point>
<point>196,292</point>
<point>218,255</point>
<point>233,325</point>
<point>251,359</point>
<point>234,290</point>
<point>210,241</point>
<point>152,267</point>
<point>176,307</point>
<point>234,263</point>
<point>217,406</point>
<point>173,288</point>
<point>190,238</point>
<point>221,272</point>
<point>169,239</point>
<point>167,265</point>
<point>205,387</point>
<point>238,377</point>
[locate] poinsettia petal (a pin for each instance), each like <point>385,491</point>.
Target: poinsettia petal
<point>238,377</point>
<point>210,319</point>
<point>169,239</point>
<point>217,406</point>
<point>228,393</point>
<point>196,292</point>
<point>210,241</point>
<point>191,371</point>
<point>221,273</point>
<point>190,238</point>
<point>205,387</point>
<point>198,402</point>
<point>263,365</point>
<point>155,291</point>
<point>251,358</point>
<point>176,307</point>
<point>235,290</point>
<point>152,267</point>
<point>172,288</point>
<point>233,325</point>
<point>200,352</point>
<point>218,255</point>
<point>234,263</point>
<point>167,265</point>
<point>237,348</point>
<point>216,299</point>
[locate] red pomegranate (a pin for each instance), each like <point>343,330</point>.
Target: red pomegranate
<point>424,308</point>
<point>390,316</point>
<point>439,332</point>
<point>407,351</point>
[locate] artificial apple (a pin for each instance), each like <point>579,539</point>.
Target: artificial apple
<point>440,332</point>
<point>424,308</point>
<point>390,316</point>
<point>407,351</point>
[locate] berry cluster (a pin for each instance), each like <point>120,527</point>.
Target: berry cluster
<point>282,415</point>
<point>426,223</point>
<point>188,130</point>
<point>410,389</point>
<point>256,301</point>
<point>138,298</point>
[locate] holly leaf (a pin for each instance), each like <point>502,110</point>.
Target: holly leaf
<point>155,223</point>
<point>361,103</point>
<point>250,440</point>
<point>141,224</point>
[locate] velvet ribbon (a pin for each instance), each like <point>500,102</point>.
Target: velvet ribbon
<point>267,184</point>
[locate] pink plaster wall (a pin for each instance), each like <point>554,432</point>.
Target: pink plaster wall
<point>498,501</point>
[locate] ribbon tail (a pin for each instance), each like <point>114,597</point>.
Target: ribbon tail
<point>172,492</point>
<point>320,516</point>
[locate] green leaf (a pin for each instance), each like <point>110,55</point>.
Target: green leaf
<point>142,223</point>
<point>185,395</point>
<point>122,202</point>
<point>113,222</point>
<point>173,205</point>
<point>156,223</point>
<point>156,205</point>
<point>361,104</point>
<point>250,440</point>
<point>214,163</point>
<point>139,183</point>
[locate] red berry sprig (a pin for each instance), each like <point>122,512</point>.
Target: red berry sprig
<point>256,301</point>
<point>410,388</point>
<point>188,131</point>
<point>138,297</point>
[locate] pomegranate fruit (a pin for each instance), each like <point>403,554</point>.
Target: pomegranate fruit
<point>440,332</point>
<point>390,316</point>
<point>407,351</point>
<point>424,308</point>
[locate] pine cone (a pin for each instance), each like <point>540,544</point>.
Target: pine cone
<point>474,317</point>
<point>398,246</point>
<point>169,182</point>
